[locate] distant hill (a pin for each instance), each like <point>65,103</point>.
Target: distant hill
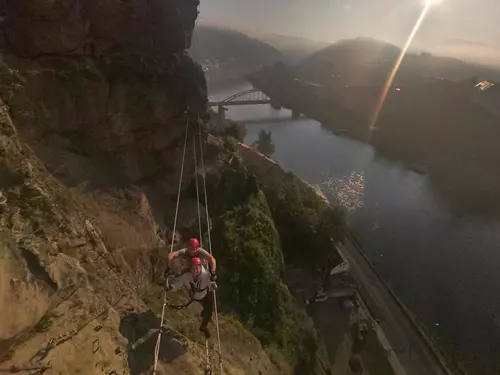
<point>293,48</point>
<point>474,52</point>
<point>369,61</point>
<point>228,55</point>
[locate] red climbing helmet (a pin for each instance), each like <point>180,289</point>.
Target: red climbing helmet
<point>196,262</point>
<point>193,242</point>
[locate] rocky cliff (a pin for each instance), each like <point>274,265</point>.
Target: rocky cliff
<point>72,286</point>
<point>99,28</point>
<point>102,79</point>
<point>95,96</point>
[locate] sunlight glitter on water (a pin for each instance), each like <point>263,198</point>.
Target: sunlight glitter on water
<point>348,191</point>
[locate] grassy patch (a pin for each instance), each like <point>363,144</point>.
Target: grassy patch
<point>44,324</point>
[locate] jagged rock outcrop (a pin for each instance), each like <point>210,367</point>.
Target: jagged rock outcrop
<point>111,71</point>
<point>130,107</point>
<point>36,216</point>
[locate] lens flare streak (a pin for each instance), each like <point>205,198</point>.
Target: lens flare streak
<point>388,84</point>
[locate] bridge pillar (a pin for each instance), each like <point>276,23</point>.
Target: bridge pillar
<point>275,105</point>
<point>295,114</point>
<point>221,111</point>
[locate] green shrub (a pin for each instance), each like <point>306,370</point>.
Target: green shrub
<point>308,227</point>
<point>235,129</point>
<point>247,245</point>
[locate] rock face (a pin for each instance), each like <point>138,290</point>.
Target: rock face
<point>130,107</point>
<point>70,291</point>
<point>95,27</point>
<point>115,70</point>
<point>48,254</point>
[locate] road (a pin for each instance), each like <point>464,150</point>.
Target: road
<point>409,347</point>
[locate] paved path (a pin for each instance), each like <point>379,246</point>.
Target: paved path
<point>409,347</point>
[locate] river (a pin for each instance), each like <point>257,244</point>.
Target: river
<point>446,269</point>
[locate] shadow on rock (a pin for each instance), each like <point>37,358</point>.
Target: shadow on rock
<point>141,330</point>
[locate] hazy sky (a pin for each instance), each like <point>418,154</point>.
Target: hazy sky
<point>390,20</point>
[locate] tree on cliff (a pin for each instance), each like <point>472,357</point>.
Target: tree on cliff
<point>235,129</point>
<point>249,246</point>
<point>265,143</point>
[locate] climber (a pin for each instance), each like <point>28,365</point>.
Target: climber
<point>193,250</point>
<point>201,290</point>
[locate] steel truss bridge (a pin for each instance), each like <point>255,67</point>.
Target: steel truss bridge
<point>248,97</point>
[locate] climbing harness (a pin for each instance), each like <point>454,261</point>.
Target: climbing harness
<point>178,306</point>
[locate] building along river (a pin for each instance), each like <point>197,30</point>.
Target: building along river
<point>446,269</point>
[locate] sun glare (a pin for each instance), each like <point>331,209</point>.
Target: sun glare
<point>392,75</point>
<point>430,3</point>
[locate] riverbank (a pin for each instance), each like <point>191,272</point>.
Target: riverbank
<point>398,329</point>
<point>434,261</point>
<point>427,125</point>
<point>408,339</point>
<point>277,186</point>
<point>392,316</point>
